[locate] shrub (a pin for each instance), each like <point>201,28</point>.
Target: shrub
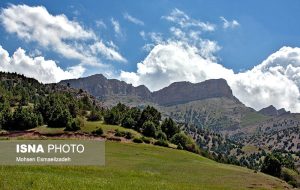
<point>149,129</point>
<point>76,125</point>
<point>94,116</point>
<point>182,139</point>
<point>146,140</point>
<point>128,122</point>
<point>137,140</point>
<point>161,135</point>
<point>179,147</point>
<point>98,131</point>
<point>161,142</point>
<point>128,135</point>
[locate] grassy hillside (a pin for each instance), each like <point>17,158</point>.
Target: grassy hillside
<point>139,166</point>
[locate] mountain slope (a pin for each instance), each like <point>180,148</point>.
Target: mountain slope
<point>139,166</point>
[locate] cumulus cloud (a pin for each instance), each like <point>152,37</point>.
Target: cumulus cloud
<point>273,82</point>
<point>45,71</point>
<point>229,24</point>
<point>186,56</point>
<point>56,32</point>
<point>183,20</point>
<point>133,19</point>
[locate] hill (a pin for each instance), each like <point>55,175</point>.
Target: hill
<point>139,166</point>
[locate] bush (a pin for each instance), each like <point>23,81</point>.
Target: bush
<point>146,140</point>
<point>182,139</point>
<point>128,135</point>
<point>137,140</point>
<point>149,129</point>
<point>98,131</point>
<point>128,122</point>
<point>94,116</point>
<point>161,135</point>
<point>161,142</point>
<point>179,147</point>
<point>76,125</point>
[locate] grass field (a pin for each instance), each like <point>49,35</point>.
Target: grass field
<point>139,166</point>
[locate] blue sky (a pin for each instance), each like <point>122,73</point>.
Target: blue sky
<point>252,44</point>
<point>265,26</point>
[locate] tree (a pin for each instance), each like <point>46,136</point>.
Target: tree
<point>149,129</point>
<point>169,127</point>
<point>76,125</point>
<point>128,122</point>
<point>112,117</point>
<point>271,165</point>
<point>182,139</point>
<point>150,114</point>
<point>23,119</point>
<point>161,135</point>
<point>94,116</point>
<point>60,118</point>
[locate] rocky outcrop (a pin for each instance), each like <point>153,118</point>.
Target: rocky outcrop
<point>176,93</point>
<point>272,111</point>
<point>182,92</point>
<point>101,87</point>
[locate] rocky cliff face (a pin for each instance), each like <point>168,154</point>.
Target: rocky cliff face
<point>182,92</point>
<point>176,93</point>
<point>101,87</point>
<point>272,111</point>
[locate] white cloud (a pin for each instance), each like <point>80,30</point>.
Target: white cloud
<point>45,71</point>
<point>275,81</point>
<point>100,24</point>
<point>133,19</point>
<point>229,24</point>
<point>186,56</point>
<point>108,52</point>
<point>55,32</point>
<point>116,26</point>
<point>183,20</point>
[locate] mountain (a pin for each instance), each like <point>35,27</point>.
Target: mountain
<point>272,111</point>
<point>113,90</point>
<point>103,88</point>
<point>183,92</point>
<point>209,104</point>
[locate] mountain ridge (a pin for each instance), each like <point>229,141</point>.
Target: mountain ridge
<point>176,93</point>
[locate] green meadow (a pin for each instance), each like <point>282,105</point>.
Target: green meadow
<point>139,166</point>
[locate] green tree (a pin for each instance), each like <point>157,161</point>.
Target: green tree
<point>169,127</point>
<point>271,165</point>
<point>112,117</point>
<point>149,129</point>
<point>128,122</point>
<point>182,139</point>
<point>23,119</point>
<point>150,114</point>
<point>95,116</point>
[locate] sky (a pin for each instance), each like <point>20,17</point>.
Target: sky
<point>252,44</point>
